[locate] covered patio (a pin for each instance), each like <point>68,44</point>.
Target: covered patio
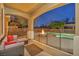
<point>19,19</point>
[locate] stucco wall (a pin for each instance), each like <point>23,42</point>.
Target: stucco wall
<point>0,25</point>
<point>0,21</point>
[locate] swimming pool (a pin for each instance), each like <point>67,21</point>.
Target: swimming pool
<point>63,35</point>
<point>64,41</point>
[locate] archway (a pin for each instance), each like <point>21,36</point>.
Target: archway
<point>16,25</point>
<point>54,35</point>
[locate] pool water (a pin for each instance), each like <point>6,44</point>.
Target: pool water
<point>64,41</point>
<point>63,35</point>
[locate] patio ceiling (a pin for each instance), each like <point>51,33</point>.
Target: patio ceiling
<point>32,10</point>
<point>24,7</point>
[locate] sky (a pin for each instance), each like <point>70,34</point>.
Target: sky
<point>57,14</point>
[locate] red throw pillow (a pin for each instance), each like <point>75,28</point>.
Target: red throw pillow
<point>9,38</point>
<point>8,43</point>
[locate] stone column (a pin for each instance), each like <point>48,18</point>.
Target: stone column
<point>0,24</point>
<point>76,38</point>
<point>7,18</point>
<point>30,32</point>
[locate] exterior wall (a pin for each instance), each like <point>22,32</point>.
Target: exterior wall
<point>76,38</point>
<point>1,21</point>
<point>77,20</point>
<point>0,25</point>
<point>6,24</point>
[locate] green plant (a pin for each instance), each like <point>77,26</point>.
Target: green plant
<point>57,25</point>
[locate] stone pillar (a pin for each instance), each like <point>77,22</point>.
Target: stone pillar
<point>4,21</point>
<point>30,32</point>
<point>0,24</point>
<point>1,19</point>
<point>7,18</point>
<point>76,38</point>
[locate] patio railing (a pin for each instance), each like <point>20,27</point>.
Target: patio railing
<point>62,41</point>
